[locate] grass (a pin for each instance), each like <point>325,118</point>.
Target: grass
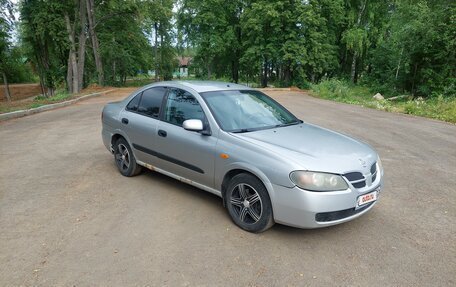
<point>38,101</point>
<point>437,107</point>
<point>137,82</point>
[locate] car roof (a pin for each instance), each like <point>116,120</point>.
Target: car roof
<point>204,86</point>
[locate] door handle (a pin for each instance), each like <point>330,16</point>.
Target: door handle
<point>162,133</point>
<point>125,121</point>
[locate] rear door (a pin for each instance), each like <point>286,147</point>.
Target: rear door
<point>140,121</point>
<point>185,153</point>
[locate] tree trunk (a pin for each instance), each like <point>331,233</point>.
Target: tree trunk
<point>76,59</point>
<point>114,71</point>
<point>40,75</point>
<point>7,91</point>
<point>270,68</point>
<point>161,54</point>
<point>95,43</point>
<point>209,72</point>
<point>235,70</point>
<point>355,53</point>
<point>353,68</point>
<point>237,53</point>
<point>38,51</point>
<point>399,64</point>
<point>45,62</point>
<point>264,79</point>
<point>413,81</point>
<point>157,66</point>
<point>72,57</point>
<point>287,75</point>
<point>69,78</point>
<point>82,43</point>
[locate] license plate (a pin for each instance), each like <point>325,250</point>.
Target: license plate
<point>366,198</point>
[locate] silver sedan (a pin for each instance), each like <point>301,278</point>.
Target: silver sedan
<point>267,165</point>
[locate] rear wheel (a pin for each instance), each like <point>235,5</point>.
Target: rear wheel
<point>248,203</point>
<point>124,158</point>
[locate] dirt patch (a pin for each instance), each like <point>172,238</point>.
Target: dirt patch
<point>31,102</point>
<point>68,218</point>
<point>20,91</point>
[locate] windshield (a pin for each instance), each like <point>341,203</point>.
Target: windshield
<point>245,111</point>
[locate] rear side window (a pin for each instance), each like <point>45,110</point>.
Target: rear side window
<point>151,101</point>
<point>134,103</point>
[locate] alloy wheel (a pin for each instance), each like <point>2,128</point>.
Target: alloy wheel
<point>246,203</point>
<point>122,157</point>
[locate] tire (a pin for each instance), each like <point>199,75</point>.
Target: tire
<point>248,203</point>
<point>124,159</point>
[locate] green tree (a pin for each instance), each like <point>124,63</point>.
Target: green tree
<point>124,48</point>
<point>363,23</point>
<point>417,53</point>
<point>157,23</point>
<point>44,35</point>
<point>5,44</point>
<point>292,40</point>
<point>205,23</point>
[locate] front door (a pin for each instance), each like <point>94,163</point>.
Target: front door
<point>185,153</point>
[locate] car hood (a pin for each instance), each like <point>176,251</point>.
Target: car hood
<point>314,148</point>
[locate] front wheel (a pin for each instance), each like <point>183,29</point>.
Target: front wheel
<point>124,158</point>
<point>248,203</point>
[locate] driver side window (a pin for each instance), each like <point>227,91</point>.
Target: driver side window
<point>182,106</point>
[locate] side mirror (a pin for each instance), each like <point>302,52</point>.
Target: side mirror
<point>193,125</point>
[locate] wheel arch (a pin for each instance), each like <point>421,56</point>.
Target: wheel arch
<point>235,170</point>
<point>115,137</point>
<point>120,134</point>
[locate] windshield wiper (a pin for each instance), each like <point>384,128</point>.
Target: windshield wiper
<point>238,131</point>
<point>289,124</point>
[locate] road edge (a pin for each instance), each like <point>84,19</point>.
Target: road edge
<point>23,113</point>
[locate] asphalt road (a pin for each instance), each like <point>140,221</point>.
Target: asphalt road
<point>68,218</point>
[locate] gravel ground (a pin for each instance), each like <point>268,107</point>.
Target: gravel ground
<point>68,218</point>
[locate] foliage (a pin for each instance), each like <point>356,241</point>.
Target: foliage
<point>418,54</point>
<point>392,46</point>
<point>59,96</point>
<point>18,68</point>
<point>123,30</point>
<point>44,40</point>
<point>437,107</point>
<point>157,24</point>
<point>123,46</point>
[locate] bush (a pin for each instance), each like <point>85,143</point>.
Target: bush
<point>437,106</point>
<point>58,96</point>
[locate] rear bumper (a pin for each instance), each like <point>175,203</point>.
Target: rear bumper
<point>107,136</point>
<point>307,209</point>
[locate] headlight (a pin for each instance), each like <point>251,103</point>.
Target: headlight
<point>318,181</point>
<point>380,165</point>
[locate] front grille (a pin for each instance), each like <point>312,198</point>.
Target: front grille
<point>358,180</point>
<point>373,171</point>
<point>336,215</point>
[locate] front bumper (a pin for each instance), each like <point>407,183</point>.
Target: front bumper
<point>308,209</point>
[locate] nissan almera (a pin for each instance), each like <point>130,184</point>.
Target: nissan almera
<point>267,165</point>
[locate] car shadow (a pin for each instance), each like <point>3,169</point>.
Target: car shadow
<point>214,202</point>
<point>185,189</point>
